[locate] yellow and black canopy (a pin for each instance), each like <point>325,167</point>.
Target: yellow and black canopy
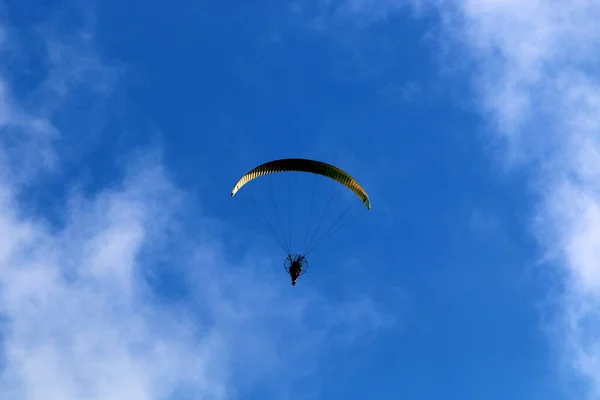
<point>305,165</point>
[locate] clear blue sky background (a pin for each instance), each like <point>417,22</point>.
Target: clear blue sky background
<point>441,291</point>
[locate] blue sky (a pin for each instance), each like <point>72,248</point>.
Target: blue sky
<point>128,272</point>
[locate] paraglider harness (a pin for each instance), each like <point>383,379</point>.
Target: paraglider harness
<point>295,265</point>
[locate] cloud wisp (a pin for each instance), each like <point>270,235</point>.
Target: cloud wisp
<point>538,80</point>
<point>80,316</point>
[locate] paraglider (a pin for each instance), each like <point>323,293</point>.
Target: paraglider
<point>296,264</point>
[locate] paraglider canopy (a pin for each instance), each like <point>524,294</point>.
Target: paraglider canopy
<point>305,165</point>
<point>292,199</point>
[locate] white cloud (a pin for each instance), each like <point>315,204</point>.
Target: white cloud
<point>79,317</point>
<point>539,80</point>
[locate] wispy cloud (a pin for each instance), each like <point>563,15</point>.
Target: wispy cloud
<point>538,80</point>
<point>84,315</point>
<point>362,13</point>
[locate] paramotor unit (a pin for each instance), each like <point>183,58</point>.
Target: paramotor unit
<point>285,199</point>
<point>295,265</point>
